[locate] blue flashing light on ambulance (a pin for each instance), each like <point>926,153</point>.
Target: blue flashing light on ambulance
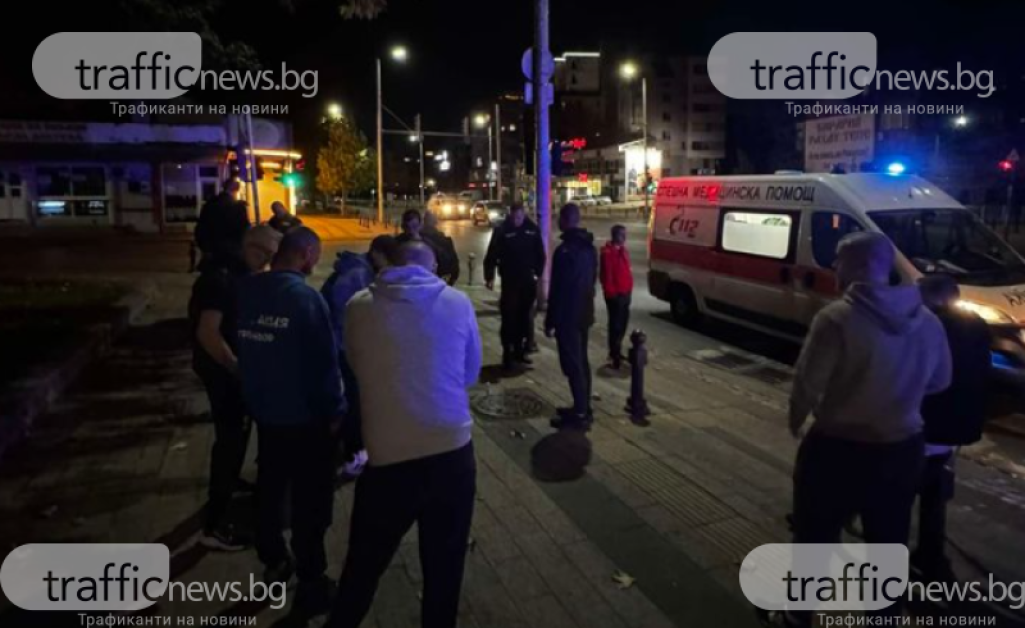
<point>758,251</point>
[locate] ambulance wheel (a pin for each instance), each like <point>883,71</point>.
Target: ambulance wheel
<point>684,306</point>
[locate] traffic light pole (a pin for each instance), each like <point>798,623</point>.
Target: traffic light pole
<point>420,140</point>
<point>543,163</point>
<point>252,168</point>
<point>380,147</point>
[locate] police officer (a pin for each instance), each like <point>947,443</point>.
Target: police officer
<point>518,254</point>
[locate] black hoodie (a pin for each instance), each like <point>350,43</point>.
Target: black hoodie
<point>574,272</point>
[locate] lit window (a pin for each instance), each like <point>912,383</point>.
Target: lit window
<point>762,234</point>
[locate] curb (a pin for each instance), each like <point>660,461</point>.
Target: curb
<point>34,395</point>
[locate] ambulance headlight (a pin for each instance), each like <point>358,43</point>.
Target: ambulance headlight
<point>990,314</point>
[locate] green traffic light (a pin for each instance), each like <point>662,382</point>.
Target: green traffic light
<point>292,179</point>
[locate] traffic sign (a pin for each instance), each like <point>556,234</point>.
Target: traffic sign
<point>527,65</point>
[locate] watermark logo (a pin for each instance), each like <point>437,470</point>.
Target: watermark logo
<point>85,576</point>
<point>146,66</point>
<point>113,577</point>
<point>108,66</point>
<point>822,66</point>
<point>825,576</point>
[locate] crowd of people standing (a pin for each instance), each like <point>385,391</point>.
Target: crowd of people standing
<point>377,363</point>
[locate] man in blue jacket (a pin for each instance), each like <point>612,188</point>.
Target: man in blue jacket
<point>571,312</point>
<point>288,364</point>
<point>352,274</point>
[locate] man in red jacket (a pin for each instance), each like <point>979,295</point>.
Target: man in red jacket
<point>617,283</point>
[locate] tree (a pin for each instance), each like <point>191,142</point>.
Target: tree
<point>345,164</point>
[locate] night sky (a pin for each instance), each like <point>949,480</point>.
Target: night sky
<point>463,53</point>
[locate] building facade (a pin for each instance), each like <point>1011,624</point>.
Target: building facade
<point>146,177</point>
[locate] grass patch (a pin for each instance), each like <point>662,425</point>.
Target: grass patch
<point>41,322</point>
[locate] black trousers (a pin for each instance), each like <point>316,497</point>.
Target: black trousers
<point>619,320</point>
<point>296,461</point>
<point>836,480</point>
<point>936,490</point>
<point>231,437</point>
<point>572,345</point>
<point>516,305</point>
<point>437,493</point>
<point>352,429</point>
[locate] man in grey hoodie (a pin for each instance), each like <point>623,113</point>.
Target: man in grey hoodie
<point>414,345</point>
<point>869,360</point>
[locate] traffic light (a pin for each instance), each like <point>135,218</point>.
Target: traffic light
<point>290,179</point>
<point>300,165</point>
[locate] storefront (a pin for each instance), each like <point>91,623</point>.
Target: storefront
<point>140,176</point>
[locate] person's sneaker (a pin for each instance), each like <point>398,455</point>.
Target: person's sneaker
<point>314,597</point>
<point>224,539</point>
<point>282,572</point>
<point>524,359</point>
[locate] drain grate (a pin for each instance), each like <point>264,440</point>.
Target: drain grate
<point>511,404</point>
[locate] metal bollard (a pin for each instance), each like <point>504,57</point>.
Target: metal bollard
<point>471,263</point>
<point>636,405</point>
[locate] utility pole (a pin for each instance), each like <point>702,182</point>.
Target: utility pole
<point>498,149</point>
<point>252,167</point>
<point>380,147</point>
<point>420,140</point>
<point>644,129</point>
<point>543,158</point>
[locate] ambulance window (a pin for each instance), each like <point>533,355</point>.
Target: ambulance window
<point>762,234</point>
<point>827,229</point>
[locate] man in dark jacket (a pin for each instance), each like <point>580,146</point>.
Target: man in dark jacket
<point>222,223</point>
<point>282,220</point>
<point>444,249</point>
<point>288,362</point>
<point>518,254</point>
<point>952,418</point>
<point>352,274</point>
<point>571,312</point>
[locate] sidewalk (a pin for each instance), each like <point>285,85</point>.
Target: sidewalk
<point>669,510</point>
<point>335,228</point>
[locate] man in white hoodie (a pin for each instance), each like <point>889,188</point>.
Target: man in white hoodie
<point>414,345</point>
<point>869,360</point>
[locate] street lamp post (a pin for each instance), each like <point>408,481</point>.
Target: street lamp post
<point>498,150</point>
<point>400,54</point>
<point>482,120</point>
<point>629,71</point>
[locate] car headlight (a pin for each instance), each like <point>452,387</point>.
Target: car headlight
<point>494,215</point>
<point>990,314</point>
<point>462,209</point>
<point>447,208</point>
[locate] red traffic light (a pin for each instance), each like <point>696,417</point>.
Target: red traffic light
<point>1006,165</point>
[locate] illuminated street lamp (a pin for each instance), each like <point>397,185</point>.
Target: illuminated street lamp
<point>400,54</point>
<point>629,71</point>
<point>961,121</point>
<point>334,111</point>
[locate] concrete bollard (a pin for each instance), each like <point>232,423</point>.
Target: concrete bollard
<point>637,405</point>
<point>471,263</point>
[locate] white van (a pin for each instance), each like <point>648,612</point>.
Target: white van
<point>759,250</point>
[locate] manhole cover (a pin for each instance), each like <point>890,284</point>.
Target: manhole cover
<point>519,403</point>
<point>728,361</point>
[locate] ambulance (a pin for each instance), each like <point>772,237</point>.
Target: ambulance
<point>759,251</point>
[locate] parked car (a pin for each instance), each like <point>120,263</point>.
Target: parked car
<point>603,200</point>
<point>489,212</point>
<point>584,200</point>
